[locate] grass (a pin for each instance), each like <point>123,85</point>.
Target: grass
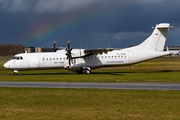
<point>93,104</point>
<point>89,104</point>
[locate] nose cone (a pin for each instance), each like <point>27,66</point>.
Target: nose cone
<point>6,65</point>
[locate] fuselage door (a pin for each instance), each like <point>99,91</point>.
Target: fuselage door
<point>33,62</point>
<point>131,57</point>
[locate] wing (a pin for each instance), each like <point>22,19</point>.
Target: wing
<point>97,51</point>
<point>89,52</point>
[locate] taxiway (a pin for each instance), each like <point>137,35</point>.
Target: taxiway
<point>94,85</point>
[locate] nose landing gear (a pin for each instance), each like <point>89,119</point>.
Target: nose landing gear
<point>15,72</point>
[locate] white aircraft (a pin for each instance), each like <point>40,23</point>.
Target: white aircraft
<point>84,60</point>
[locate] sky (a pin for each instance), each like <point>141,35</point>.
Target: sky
<point>86,23</point>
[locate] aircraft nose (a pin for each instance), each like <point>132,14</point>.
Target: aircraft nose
<point>6,65</point>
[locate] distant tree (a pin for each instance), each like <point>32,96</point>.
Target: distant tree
<point>10,49</point>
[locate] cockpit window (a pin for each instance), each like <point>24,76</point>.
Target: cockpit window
<point>17,58</point>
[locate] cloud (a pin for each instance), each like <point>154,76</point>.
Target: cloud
<point>16,5</point>
<point>4,4</point>
<point>61,5</point>
<point>44,6</point>
<point>128,35</point>
<point>91,22</point>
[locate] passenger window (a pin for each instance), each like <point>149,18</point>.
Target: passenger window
<point>21,58</point>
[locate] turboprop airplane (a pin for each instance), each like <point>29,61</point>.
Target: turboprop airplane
<point>84,60</point>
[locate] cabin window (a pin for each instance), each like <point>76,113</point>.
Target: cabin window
<point>17,58</point>
<point>46,58</point>
<point>50,58</point>
<point>43,59</point>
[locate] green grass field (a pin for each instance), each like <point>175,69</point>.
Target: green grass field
<point>93,104</point>
<point>89,104</point>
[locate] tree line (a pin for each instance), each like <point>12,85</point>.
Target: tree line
<point>11,49</point>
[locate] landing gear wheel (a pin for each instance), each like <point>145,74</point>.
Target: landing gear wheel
<point>87,71</point>
<point>15,72</point>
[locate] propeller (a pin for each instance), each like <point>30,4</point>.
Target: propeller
<point>54,46</point>
<point>68,53</point>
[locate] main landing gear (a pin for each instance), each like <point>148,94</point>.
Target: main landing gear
<point>84,70</point>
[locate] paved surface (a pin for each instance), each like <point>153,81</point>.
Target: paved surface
<point>94,85</point>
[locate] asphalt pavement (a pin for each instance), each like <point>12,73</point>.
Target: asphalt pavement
<point>95,85</point>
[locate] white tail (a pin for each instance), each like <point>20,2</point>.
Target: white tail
<point>157,39</point>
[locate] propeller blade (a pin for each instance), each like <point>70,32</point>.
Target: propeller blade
<point>54,46</point>
<point>68,53</point>
<point>68,45</point>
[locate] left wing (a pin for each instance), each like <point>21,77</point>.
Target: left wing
<point>98,51</point>
<point>89,52</point>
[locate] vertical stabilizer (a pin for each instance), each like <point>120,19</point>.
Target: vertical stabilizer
<point>157,39</point>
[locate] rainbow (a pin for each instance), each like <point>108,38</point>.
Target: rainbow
<point>43,32</point>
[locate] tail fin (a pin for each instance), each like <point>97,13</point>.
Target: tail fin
<point>157,39</point>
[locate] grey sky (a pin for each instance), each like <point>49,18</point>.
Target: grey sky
<point>87,23</point>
